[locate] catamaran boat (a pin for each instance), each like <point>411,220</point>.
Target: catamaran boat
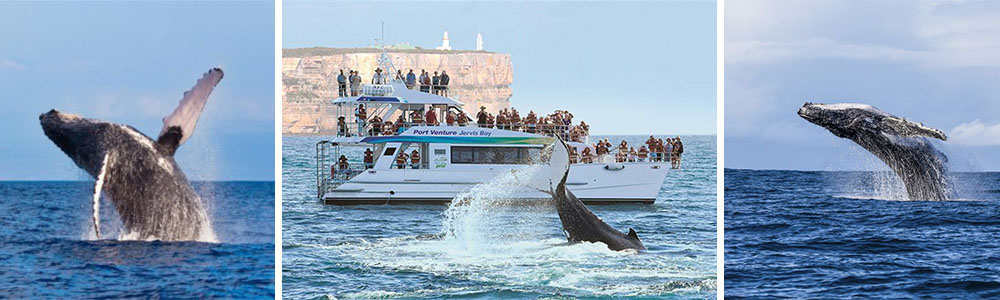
<point>453,159</point>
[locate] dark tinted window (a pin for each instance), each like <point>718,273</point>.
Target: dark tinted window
<point>494,155</point>
<point>389,151</point>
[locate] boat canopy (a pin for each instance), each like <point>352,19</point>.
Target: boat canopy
<point>396,92</point>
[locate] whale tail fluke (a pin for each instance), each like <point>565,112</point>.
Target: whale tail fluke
<point>179,125</point>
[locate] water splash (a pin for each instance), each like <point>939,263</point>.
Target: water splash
<point>97,195</point>
<point>489,214</point>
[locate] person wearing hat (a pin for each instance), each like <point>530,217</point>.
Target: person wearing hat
<point>399,75</point>
<point>342,84</point>
<point>482,117</point>
<point>341,126</point>
<point>378,78</point>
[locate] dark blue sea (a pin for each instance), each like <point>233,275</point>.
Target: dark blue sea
<point>48,250</point>
<point>837,235</point>
<point>496,252</point>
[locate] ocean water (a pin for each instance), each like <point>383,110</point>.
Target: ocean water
<point>836,235</point>
<point>48,250</point>
<point>490,250</point>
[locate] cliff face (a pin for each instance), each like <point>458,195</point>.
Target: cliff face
<point>309,77</point>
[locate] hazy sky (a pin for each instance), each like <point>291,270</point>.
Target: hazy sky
<point>624,68</point>
<point>130,63</point>
<point>935,62</point>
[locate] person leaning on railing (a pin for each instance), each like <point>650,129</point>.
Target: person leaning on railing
<point>400,160</point>
<point>449,118</point>
<point>425,81</point>
<point>431,118</point>
<point>341,126</point>
<point>588,156</point>
<point>369,159</point>
<point>482,117</point>
<point>445,79</point>
<point>376,122</point>
<point>387,128</point>
<point>463,119</point>
<point>531,120</point>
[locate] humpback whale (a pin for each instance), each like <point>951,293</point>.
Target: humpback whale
<point>149,191</point>
<point>579,223</point>
<point>900,143</point>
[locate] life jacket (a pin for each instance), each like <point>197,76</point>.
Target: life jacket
<point>415,157</point>
<point>361,113</point>
<point>369,158</point>
<point>400,159</point>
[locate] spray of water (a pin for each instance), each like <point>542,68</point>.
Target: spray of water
<point>488,214</point>
<point>97,195</point>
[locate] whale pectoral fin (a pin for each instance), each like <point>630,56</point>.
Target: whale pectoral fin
<point>179,125</point>
<point>632,235</point>
<point>904,127</point>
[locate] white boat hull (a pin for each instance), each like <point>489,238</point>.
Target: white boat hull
<point>592,183</point>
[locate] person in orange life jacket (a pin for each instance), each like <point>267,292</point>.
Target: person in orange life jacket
<point>431,117</point>
<point>573,156</point>
<point>376,125</point>
<point>418,118</point>
<point>362,116</point>
<point>501,120</point>
<point>643,153</point>
<point>343,165</point>
<point>631,154</point>
<point>398,127</point>
<point>515,120</point>
<point>532,121</point>
<point>369,159</point>
<point>623,146</point>
<point>415,159</point>
<point>400,160</point>
<point>463,119</point>
<point>489,120</point>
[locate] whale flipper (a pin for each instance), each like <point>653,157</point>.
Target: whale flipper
<point>179,125</point>
<point>904,127</point>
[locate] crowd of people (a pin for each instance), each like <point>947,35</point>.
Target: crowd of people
<point>350,85</point>
<point>655,150</point>
<point>558,123</point>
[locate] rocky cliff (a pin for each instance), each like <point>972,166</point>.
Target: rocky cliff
<point>478,78</point>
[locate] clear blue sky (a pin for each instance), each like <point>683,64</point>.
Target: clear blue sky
<point>624,68</point>
<point>129,63</point>
<point>935,62</point>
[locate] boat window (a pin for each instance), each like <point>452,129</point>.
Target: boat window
<point>494,155</point>
<point>439,151</point>
<point>389,151</point>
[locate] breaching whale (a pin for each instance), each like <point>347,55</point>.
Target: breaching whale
<point>579,223</point>
<point>901,144</point>
<point>149,191</point>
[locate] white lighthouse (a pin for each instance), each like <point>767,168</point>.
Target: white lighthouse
<point>444,42</point>
<point>479,42</point>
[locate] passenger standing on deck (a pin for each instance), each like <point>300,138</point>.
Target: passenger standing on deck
<point>369,159</point>
<point>400,124</point>
<point>531,121</point>
<point>679,149</point>
<point>343,165</point>
<point>341,126</point>
<point>482,117</point>
<point>415,159</point>
<point>431,117</point>
<point>573,156</point>
<point>623,146</point>
<point>643,153</point>
<point>387,128</point>
<point>342,84</point>
<point>436,83</point>
<point>463,119</point>
<point>362,116</point>
<point>489,120</point>
<point>425,81</point>
<point>399,75</point>
<point>445,79</point>
<point>449,118</point>
<point>376,125</point>
<point>417,118</point>
<point>411,80</point>
<point>377,78</point>
<point>588,156</point>
<point>515,120</point>
<point>355,83</point>
<point>400,160</point>
<point>502,120</point>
